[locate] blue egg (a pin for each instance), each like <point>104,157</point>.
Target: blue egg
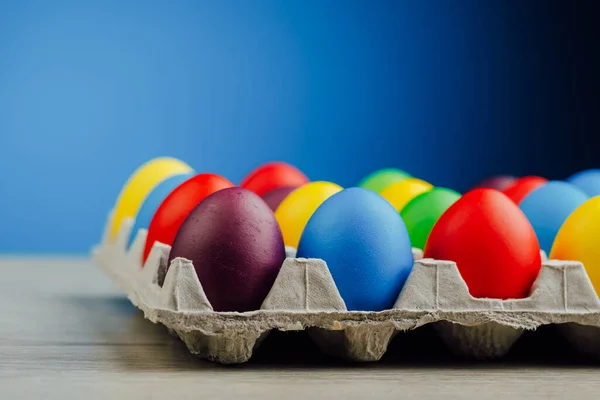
<point>547,208</point>
<point>365,244</point>
<point>153,201</point>
<point>588,181</point>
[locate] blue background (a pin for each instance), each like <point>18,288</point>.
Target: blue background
<point>451,91</point>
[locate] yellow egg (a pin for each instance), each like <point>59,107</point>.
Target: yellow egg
<point>296,209</point>
<point>577,239</point>
<point>139,185</point>
<point>401,193</point>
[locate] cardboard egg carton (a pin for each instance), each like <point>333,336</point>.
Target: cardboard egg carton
<point>305,297</point>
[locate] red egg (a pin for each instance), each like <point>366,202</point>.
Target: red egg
<point>177,205</point>
<point>492,242</point>
<point>273,175</point>
<point>521,187</point>
<point>500,182</point>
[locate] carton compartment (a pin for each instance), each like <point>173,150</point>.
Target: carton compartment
<point>305,297</point>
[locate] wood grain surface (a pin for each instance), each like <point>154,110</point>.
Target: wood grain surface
<point>67,332</point>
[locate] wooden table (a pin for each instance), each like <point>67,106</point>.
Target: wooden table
<point>66,332</point>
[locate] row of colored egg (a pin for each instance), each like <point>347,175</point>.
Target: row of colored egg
<point>235,239</point>
<point>235,236</point>
<point>478,231</point>
<point>229,232</point>
<point>172,190</point>
<point>483,231</point>
<point>365,234</point>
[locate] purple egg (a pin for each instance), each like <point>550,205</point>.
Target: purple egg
<point>274,197</point>
<point>500,182</point>
<point>236,246</point>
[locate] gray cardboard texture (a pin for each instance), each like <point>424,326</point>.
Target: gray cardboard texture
<point>304,296</point>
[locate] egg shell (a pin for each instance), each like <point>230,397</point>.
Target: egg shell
<point>296,209</point>
<point>522,187</point>
<point>273,175</point>
<point>235,244</point>
<point>379,180</point>
<point>140,184</point>
<point>400,193</point>
<point>588,181</point>
<point>153,201</point>
<point>274,197</point>
<point>365,244</point>
<point>492,242</point>
<point>547,208</point>
<point>422,212</point>
<point>578,237</point>
<point>177,205</point>
<point>499,182</point>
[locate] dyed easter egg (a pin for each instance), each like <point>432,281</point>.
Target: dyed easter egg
<point>548,206</point>
<point>422,212</point>
<point>235,244</point>
<point>295,210</point>
<point>588,181</point>
<point>379,180</point>
<point>365,244</point>
<point>500,182</point>
<point>578,238</point>
<point>492,242</point>
<point>400,193</point>
<point>522,187</point>
<point>177,205</point>
<point>139,185</point>
<point>273,175</point>
<point>153,201</point>
<point>274,197</point>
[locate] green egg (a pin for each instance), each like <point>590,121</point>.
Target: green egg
<point>422,212</point>
<point>379,180</point>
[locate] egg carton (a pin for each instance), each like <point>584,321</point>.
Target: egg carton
<point>305,297</point>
